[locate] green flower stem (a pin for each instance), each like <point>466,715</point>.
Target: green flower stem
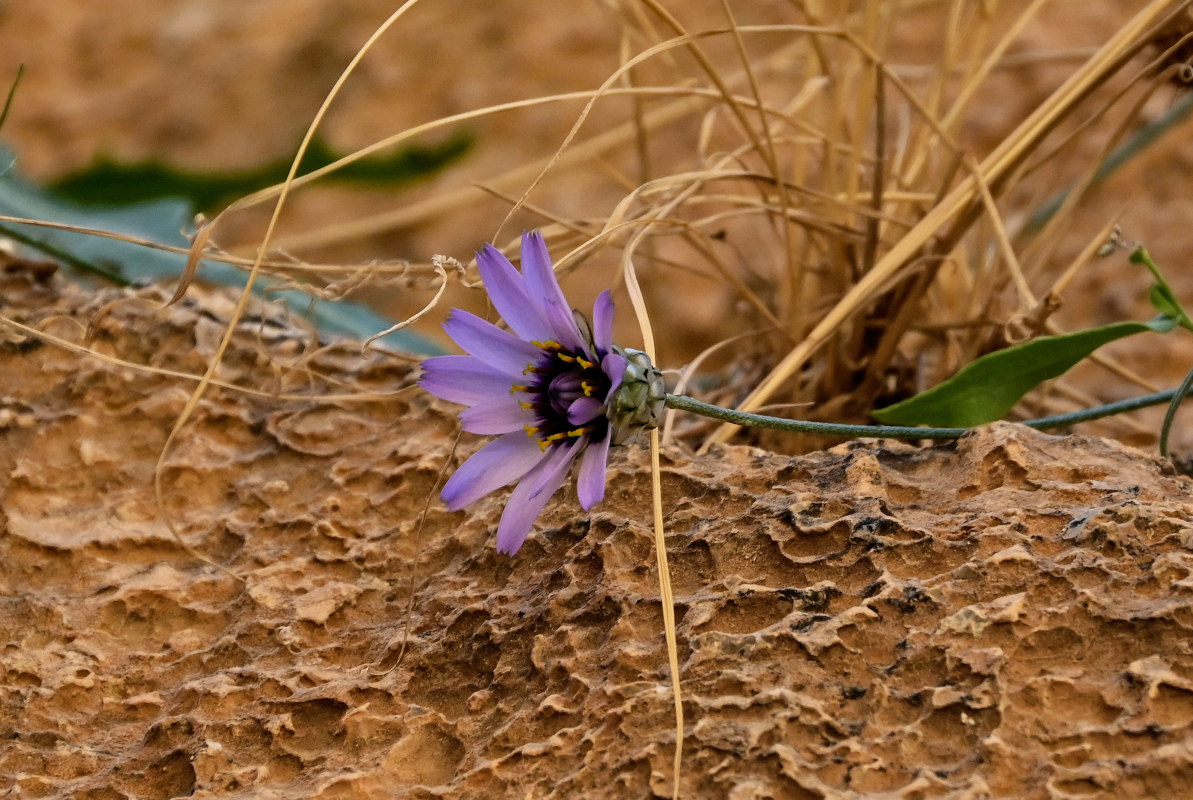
<point>1170,415</point>
<point>683,403</point>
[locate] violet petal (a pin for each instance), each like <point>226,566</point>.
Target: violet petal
<point>462,379</point>
<point>590,483</point>
<point>499,348</point>
<point>614,366</point>
<point>497,415</point>
<point>543,289</point>
<point>507,290</point>
<point>602,322</point>
<point>531,495</point>
<point>499,463</point>
<point>584,410</point>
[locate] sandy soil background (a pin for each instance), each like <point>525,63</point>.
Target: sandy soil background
<point>1006,616</point>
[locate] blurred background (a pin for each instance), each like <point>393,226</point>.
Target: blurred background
<point>225,90</point>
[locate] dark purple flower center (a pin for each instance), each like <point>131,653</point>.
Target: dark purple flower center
<point>559,379</point>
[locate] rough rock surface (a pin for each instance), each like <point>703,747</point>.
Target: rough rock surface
<point>1006,616</point>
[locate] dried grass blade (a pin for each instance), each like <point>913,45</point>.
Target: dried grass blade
<point>992,171</point>
<point>656,491</point>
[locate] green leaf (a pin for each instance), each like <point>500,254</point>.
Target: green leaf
<point>1162,298</point>
<point>987,388</point>
<point>1164,301</point>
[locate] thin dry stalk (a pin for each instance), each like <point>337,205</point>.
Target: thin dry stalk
<point>957,210</point>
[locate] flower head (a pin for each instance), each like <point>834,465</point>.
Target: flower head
<point>549,388</point>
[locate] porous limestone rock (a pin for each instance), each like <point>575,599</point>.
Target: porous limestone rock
<point>1006,616</point>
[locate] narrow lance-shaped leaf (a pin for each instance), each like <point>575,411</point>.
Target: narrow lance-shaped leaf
<point>987,388</point>
<point>108,182</point>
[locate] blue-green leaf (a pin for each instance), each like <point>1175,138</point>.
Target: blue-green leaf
<point>161,221</point>
<point>987,388</point>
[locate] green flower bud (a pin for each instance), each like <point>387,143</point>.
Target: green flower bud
<point>639,402</point>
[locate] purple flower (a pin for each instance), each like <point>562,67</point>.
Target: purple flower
<point>547,388</point>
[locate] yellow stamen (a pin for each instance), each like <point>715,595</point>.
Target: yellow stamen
<point>588,388</point>
<point>584,362</point>
<point>532,432</point>
<point>574,433</point>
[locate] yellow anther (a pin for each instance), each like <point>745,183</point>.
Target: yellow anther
<point>547,441</point>
<point>584,362</point>
<point>555,438</point>
<point>588,388</point>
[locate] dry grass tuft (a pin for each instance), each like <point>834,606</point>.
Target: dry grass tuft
<point>811,189</point>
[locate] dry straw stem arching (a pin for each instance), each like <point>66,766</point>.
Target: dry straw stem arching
<point>571,153</point>
<point>272,266</point>
<point>683,191</point>
<point>958,207</point>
